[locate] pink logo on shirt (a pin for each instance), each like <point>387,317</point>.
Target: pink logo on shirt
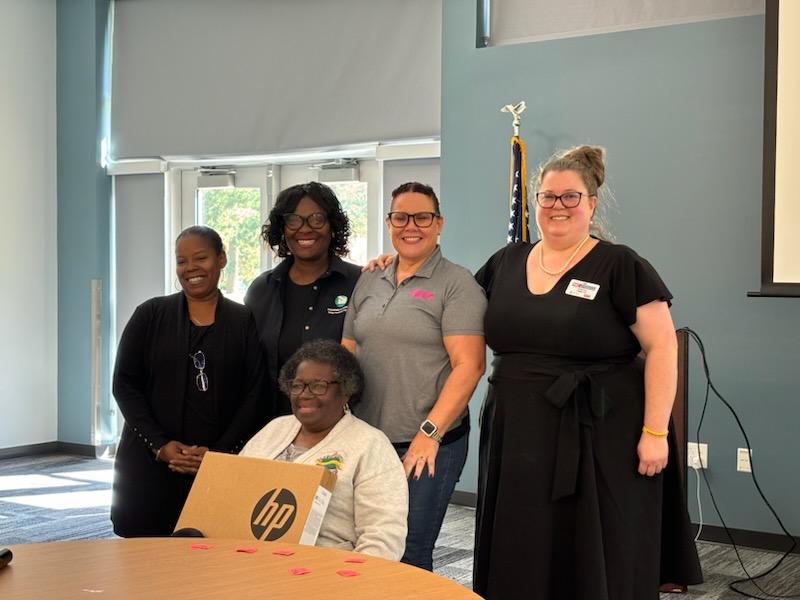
<point>422,294</point>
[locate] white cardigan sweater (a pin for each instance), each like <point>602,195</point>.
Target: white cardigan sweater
<point>368,510</point>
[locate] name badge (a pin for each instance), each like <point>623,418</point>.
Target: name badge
<point>582,289</point>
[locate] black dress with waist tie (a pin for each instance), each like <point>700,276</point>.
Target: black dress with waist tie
<point>562,511</point>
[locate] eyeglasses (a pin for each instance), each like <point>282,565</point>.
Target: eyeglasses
<point>318,387</point>
<point>568,199</point>
<point>421,219</point>
<point>294,221</point>
<point>200,363</point>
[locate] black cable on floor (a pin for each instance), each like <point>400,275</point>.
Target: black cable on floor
<point>752,579</point>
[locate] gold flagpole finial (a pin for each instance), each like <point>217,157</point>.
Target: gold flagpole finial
<point>516,110</point>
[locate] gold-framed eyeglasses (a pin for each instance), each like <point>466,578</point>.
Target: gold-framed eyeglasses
<point>318,387</point>
<point>568,199</point>
<point>201,380</point>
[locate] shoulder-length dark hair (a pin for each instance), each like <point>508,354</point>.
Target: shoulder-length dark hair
<point>287,201</point>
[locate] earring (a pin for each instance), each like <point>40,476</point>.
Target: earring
<point>346,407</point>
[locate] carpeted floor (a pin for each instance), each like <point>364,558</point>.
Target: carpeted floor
<point>49,498</point>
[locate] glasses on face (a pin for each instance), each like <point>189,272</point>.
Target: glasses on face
<point>318,387</point>
<point>294,221</point>
<point>201,380</point>
<point>568,199</point>
<point>421,219</point>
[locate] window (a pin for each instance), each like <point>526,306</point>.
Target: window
<point>353,197</point>
<point>233,202</point>
<point>235,213</point>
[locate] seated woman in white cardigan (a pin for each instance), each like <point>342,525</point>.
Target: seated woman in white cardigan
<point>369,506</point>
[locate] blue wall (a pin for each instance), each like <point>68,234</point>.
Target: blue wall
<point>679,110</point>
<point>84,224</point>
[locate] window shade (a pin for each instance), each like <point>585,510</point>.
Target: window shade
<point>516,21</point>
<point>203,77</point>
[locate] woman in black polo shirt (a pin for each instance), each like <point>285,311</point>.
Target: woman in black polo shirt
<point>306,296</point>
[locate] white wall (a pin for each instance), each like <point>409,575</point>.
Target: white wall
<point>28,266</point>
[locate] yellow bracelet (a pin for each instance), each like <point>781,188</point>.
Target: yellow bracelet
<point>646,429</point>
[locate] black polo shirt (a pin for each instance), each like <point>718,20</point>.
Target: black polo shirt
<point>321,316</point>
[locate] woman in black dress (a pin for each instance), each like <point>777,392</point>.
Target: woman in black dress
<point>188,378</point>
<point>574,429</point>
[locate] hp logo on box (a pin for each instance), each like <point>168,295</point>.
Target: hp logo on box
<point>273,515</point>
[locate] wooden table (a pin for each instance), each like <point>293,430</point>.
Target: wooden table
<point>169,568</point>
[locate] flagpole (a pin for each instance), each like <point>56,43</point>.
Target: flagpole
<point>518,197</point>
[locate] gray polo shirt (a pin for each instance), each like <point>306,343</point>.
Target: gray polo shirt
<point>398,330</point>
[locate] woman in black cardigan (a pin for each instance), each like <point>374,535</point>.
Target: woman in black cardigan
<point>188,378</point>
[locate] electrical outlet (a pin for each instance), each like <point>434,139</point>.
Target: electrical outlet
<point>697,457</point>
<point>743,460</point>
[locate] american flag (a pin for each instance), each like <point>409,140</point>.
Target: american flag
<point>518,222</point>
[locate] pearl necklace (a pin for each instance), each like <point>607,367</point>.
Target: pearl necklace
<point>566,264</point>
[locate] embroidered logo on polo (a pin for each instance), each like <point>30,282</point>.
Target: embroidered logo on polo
<point>421,294</point>
<point>340,302</point>
<point>273,514</point>
<point>332,462</point>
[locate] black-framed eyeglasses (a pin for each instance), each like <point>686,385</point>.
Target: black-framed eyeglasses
<point>315,220</point>
<point>201,380</point>
<point>568,199</point>
<point>318,387</point>
<point>421,219</point>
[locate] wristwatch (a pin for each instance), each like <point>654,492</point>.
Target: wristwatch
<point>431,430</point>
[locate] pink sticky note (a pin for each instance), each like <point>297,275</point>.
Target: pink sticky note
<point>299,570</point>
<point>347,573</point>
<point>355,559</point>
<point>201,546</point>
<point>283,552</point>
<point>247,549</point>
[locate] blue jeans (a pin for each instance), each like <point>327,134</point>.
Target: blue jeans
<point>428,498</point>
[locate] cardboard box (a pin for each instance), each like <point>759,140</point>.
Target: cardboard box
<point>255,498</point>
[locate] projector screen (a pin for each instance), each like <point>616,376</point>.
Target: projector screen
<point>780,259</point>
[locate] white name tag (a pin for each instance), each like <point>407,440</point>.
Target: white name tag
<point>582,289</point>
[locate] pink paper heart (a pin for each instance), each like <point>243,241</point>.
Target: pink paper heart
<point>201,546</point>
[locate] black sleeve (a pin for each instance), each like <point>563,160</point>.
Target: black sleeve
<point>256,407</point>
<point>130,379</point>
<point>635,283</point>
<point>252,293</point>
<point>485,275</point>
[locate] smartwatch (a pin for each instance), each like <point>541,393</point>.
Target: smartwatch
<point>430,430</point>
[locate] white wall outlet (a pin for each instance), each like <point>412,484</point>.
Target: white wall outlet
<point>697,455</point>
<point>743,460</point>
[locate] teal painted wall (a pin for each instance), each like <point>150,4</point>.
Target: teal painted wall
<point>84,224</point>
<point>679,110</point>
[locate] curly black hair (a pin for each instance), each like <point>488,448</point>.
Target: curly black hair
<point>345,366</point>
<point>287,201</point>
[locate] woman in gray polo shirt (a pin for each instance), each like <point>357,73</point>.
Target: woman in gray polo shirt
<point>417,330</point>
